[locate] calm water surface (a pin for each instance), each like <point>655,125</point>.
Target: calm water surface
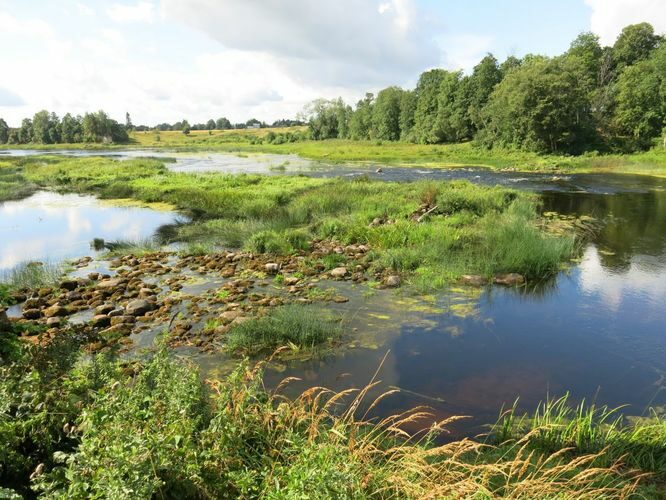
<point>51,227</point>
<point>597,330</point>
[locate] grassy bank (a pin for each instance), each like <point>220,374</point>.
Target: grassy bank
<point>467,228</point>
<point>337,150</point>
<point>651,162</point>
<point>99,428</point>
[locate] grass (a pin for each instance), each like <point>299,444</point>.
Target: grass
<point>297,326</point>
<point>13,185</point>
<point>31,275</point>
<point>588,429</point>
<point>100,428</point>
<point>473,229</point>
<point>138,247</point>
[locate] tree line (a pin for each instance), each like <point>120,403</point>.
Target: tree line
<point>47,128</point>
<point>589,98</point>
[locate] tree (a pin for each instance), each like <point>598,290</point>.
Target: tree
<point>586,47</point>
<point>327,119</point>
<point>360,123</point>
<point>386,114</point>
<point>452,122</point>
<point>210,124</point>
<point>25,132</point>
<point>128,122</point>
<point>45,127</point>
<point>98,127</point>
<point>70,129</point>
<point>407,111</point>
<point>509,64</point>
<point>425,116</point>
<point>4,131</point>
<point>223,124</point>
<point>482,82</point>
<point>640,111</point>
<point>544,105</point>
<point>634,44</point>
<point>185,127</point>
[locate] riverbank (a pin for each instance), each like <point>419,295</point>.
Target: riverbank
<point>652,162</point>
<point>292,237</point>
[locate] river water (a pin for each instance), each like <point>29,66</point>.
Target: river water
<point>597,330</point>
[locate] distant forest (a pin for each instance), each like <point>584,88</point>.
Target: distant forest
<point>48,128</point>
<point>589,98</point>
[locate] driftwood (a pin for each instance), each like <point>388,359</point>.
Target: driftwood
<point>426,214</point>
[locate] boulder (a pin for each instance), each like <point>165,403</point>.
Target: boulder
<point>229,316</point>
<point>100,320</point>
<point>338,272</point>
<point>110,284</point>
<point>473,280</point>
<point>392,281</point>
<point>510,279</point>
<point>32,313</point>
<point>138,307</point>
<point>69,285</point>
<point>5,324</point>
<point>53,321</point>
<point>291,281</point>
<point>272,268</point>
<point>104,309</point>
<point>55,311</point>
<point>122,320</point>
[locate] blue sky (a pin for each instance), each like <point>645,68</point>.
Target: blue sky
<point>164,60</point>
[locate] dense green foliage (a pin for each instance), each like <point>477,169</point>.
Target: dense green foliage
<point>47,128</point>
<point>589,98</point>
<point>94,427</point>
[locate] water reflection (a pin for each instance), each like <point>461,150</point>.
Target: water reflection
<point>49,226</point>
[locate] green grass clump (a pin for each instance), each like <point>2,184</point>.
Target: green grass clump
<point>119,248</point>
<point>588,429</point>
<point>31,275</point>
<point>293,325</point>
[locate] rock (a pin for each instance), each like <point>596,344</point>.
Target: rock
<point>145,293</point>
<point>115,263</point>
<point>138,307</point>
<point>100,320</point>
<point>33,303</point>
<point>510,279</point>
<point>55,311</point>
<point>339,299</point>
<point>229,316</point>
<point>272,267</point>
<point>69,285</point>
<point>338,272</point>
<point>5,324</point>
<point>122,320</point>
<point>473,280</point>
<point>115,312</point>
<point>32,314</point>
<point>376,222</point>
<point>291,281</point>
<point>110,284</point>
<point>392,281</point>
<point>379,170</point>
<point>104,309</point>
<point>93,276</point>
<point>53,321</point>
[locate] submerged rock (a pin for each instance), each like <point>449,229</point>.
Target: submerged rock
<point>32,314</point>
<point>510,279</point>
<point>69,285</point>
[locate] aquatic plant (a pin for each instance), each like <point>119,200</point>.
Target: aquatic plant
<point>297,325</point>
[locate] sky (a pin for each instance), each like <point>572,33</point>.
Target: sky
<point>165,60</point>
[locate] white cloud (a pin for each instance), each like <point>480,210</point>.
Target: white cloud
<point>362,43</point>
<point>84,9</point>
<point>139,12</point>
<point>464,51</point>
<point>610,16</point>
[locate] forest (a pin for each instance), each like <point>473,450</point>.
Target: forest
<point>608,99</point>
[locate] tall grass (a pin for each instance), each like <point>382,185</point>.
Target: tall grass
<point>291,325</point>
<point>32,275</point>
<point>588,429</point>
<point>157,433</point>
